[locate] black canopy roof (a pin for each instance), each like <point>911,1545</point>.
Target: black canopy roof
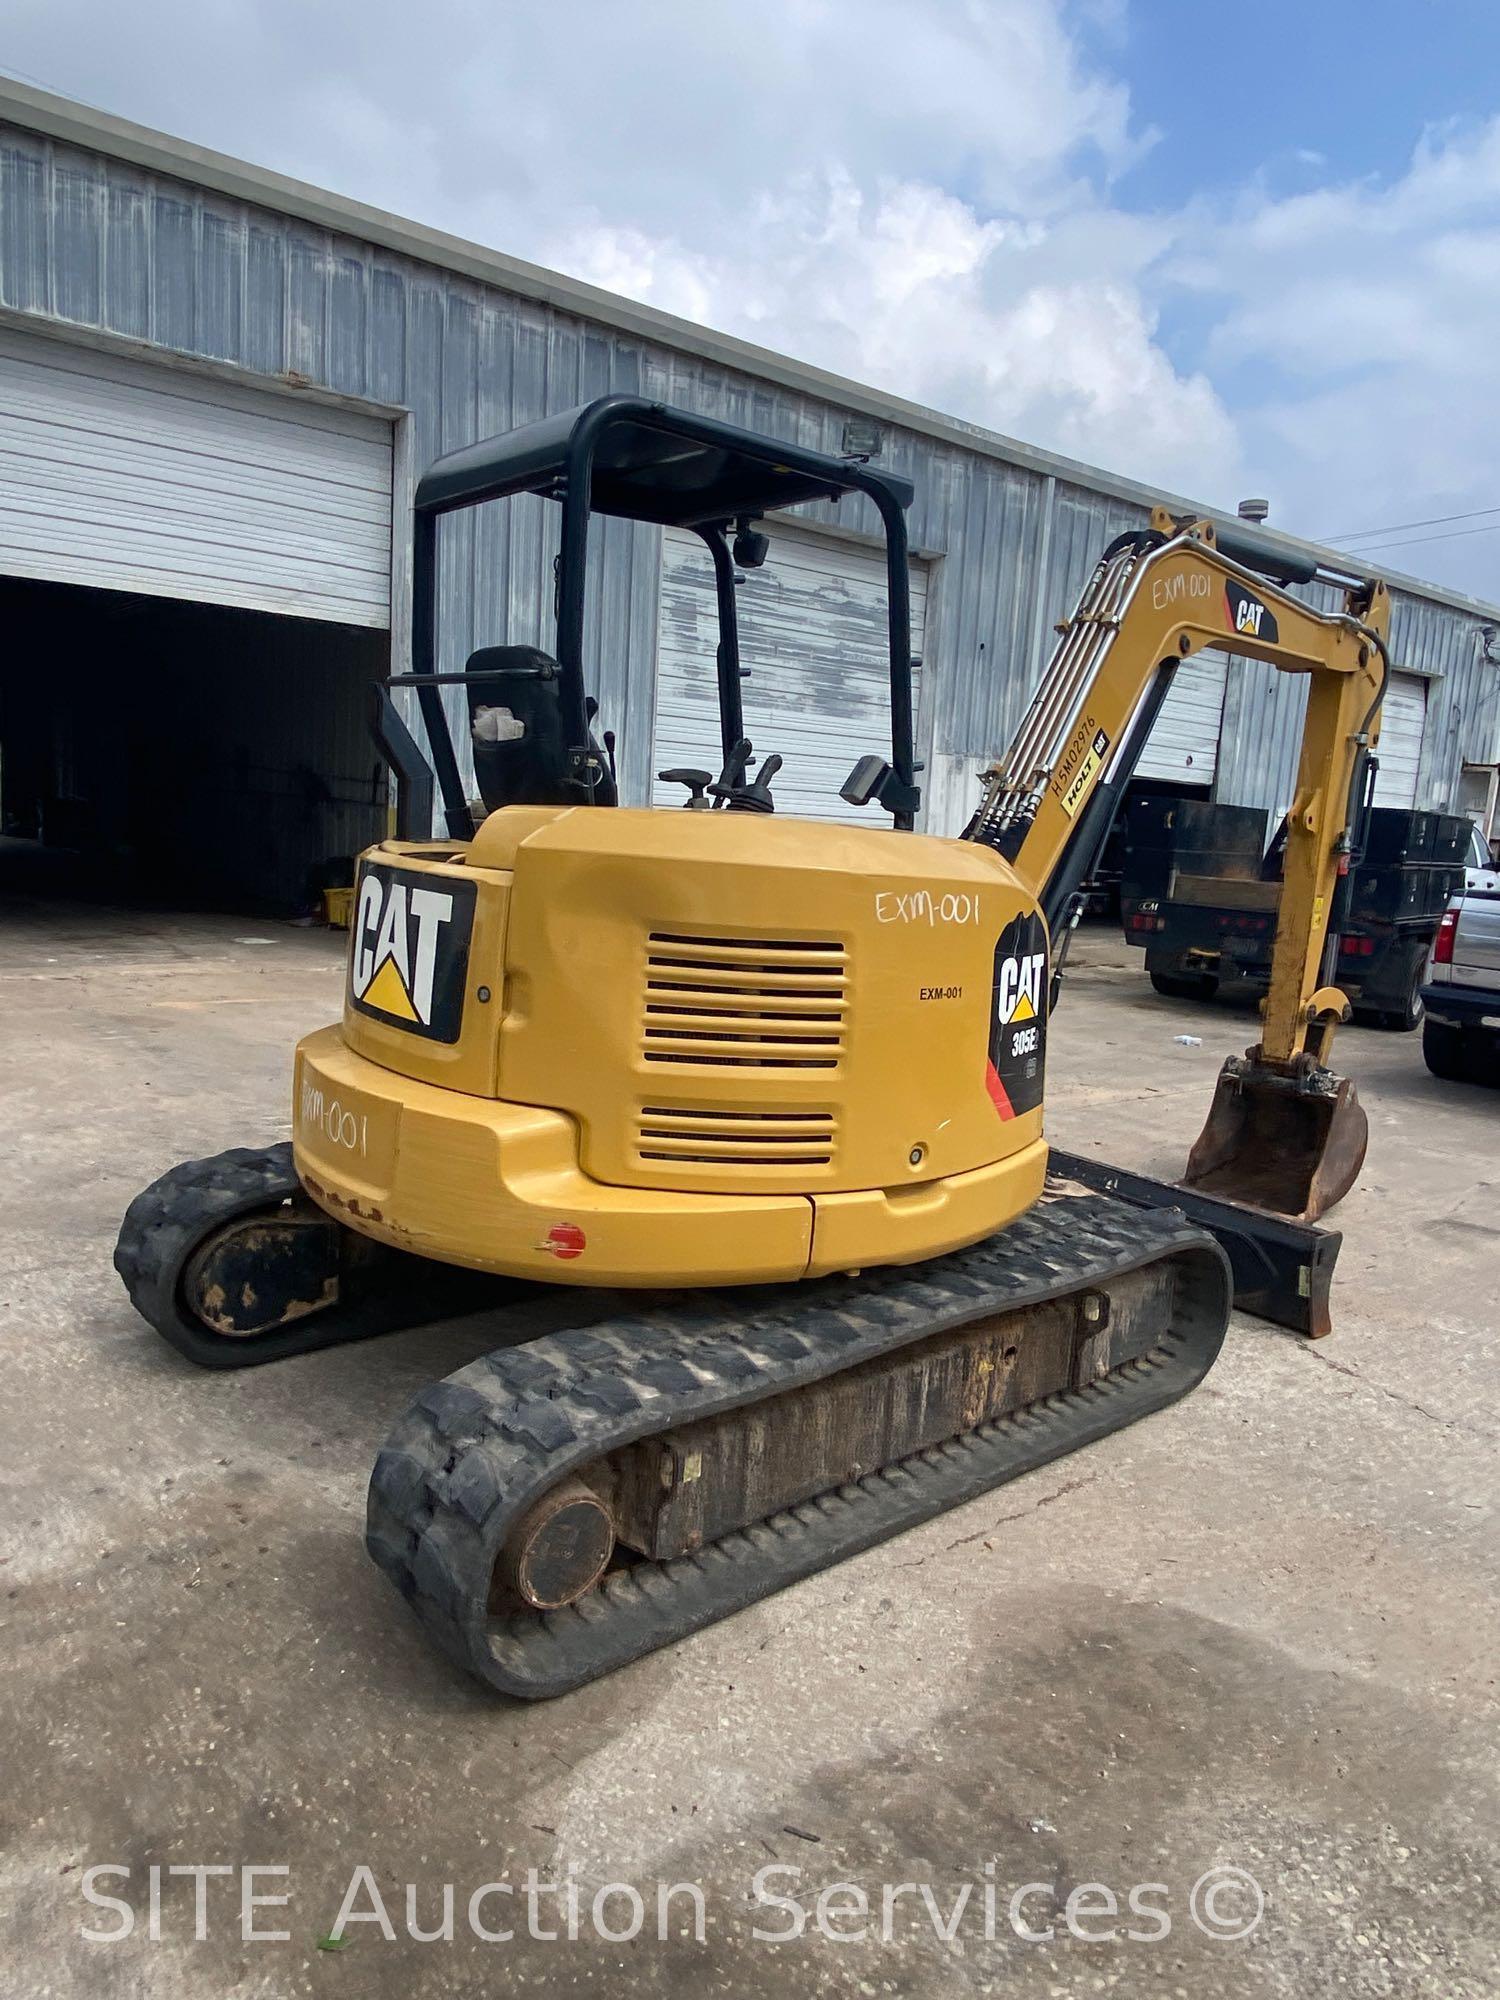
<point>650,462</point>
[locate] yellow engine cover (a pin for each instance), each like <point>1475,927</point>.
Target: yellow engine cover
<point>823,1040</point>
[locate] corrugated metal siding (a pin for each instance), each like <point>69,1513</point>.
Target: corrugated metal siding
<point>1261,736</point>
<point>101,245</point>
<point>1184,740</point>
<point>1403,725</point>
<point>105,247</point>
<point>1263,709</point>
<point>1463,700</point>
<point>1083,526</point>
<point>128,476</point>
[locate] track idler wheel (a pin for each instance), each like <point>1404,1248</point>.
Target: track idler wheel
<point>559,1550</point>
<point>265,1271</point>
<point>1289,1140</point>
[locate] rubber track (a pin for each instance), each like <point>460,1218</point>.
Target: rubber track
<point>168,1220</point>
<point>475,1450</point>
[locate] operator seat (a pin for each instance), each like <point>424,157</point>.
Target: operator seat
<point>517,733</point>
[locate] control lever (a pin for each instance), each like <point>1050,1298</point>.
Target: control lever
<point>731,789</point>
<point>731,779</point>
<point>760,791</point>
<point>694,780</point>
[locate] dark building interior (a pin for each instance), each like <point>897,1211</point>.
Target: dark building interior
<point>183,754</point>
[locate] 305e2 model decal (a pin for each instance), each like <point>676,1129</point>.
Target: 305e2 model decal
<point>1018,1027</point>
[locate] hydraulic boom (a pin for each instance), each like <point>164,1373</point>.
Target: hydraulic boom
<point>1284,1132</point>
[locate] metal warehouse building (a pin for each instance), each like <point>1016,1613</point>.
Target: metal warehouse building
<point>217,387</point>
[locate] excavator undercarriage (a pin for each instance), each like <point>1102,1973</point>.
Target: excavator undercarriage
<point>717,1455</point>
<point>566,1504</point>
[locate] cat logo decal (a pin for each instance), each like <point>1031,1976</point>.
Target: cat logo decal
<point>1248,615</point>
<point>409,949</point>
<point>1016,1058</point>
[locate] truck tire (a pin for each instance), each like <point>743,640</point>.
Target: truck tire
<point>1186,985</point>
<point>1408,1016</point>
<point>1444,1053</point>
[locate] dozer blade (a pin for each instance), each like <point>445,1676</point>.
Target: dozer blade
<point>1283,1270</point>
<point>1289,1140</point>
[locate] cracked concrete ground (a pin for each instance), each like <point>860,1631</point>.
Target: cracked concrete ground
<point>1257,1632</point>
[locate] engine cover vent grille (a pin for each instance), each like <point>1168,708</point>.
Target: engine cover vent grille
<point>706,1137</point>
<point>758,1003</point>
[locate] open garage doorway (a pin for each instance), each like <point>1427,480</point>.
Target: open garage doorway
<point>183,755</point>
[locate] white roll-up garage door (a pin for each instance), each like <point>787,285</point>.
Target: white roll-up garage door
<point>1403,719</point>
<point>813,635</point>
<point>130,475</point>
<point>1184,739</point>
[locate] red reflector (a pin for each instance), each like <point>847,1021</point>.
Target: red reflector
<point>565,1240</point>
<point>1442,948</point>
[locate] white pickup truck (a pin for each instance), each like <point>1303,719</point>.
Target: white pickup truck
<point>1461,1031</point>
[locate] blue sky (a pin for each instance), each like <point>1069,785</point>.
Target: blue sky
<point>1220,249</point>
<point>1303,95</point>
<point>1244,92</point>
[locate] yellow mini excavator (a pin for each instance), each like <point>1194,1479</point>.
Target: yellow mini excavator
<point>780,1079</point>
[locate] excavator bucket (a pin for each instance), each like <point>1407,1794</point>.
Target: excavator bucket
<point>1288,1140</point>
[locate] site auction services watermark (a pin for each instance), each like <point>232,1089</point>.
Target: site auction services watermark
<point>256,1901</point>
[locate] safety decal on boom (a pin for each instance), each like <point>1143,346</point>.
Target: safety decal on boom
<point>1247,614</point>
<point>409,950</point>
<point>1018,1027</point>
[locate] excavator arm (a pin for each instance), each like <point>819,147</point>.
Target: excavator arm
<point>1285,1133</point>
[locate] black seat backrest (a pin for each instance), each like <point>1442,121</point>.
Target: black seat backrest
<point>530,769</point>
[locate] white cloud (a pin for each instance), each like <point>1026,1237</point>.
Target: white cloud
<point>1366,317</point>
<point>905,287</point>
<point>903,195</point>
<point>919,197</point>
